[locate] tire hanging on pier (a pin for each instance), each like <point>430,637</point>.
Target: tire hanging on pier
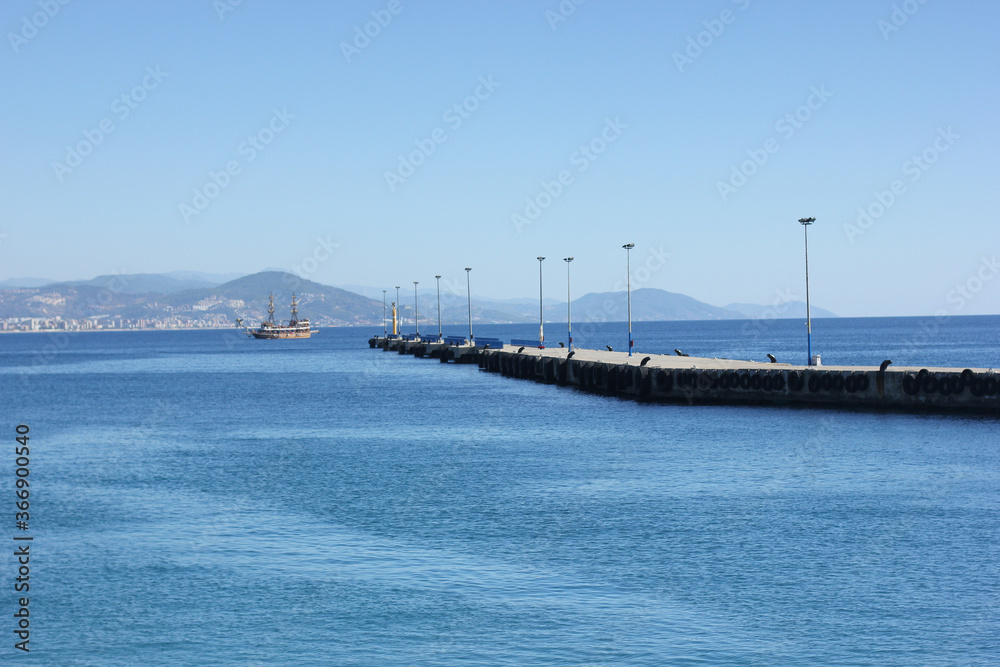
<point>664,381</point>
<point>645,383</point>
<point>796,381</point>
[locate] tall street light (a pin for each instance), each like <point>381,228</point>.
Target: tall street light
<point>384,332</point>
<point>569,305</point>
<point>541,312</point>
<point>628,282</point>
<point>439,306</point>
<point>468,289</point>
<point>399,314</point>
<point>809,329</point>
<point>416,319</point>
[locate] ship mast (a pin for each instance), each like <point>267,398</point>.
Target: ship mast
<point>270,309</point>
<point>295,310</point>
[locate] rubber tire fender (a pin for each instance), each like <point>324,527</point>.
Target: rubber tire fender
<point>796,381</point>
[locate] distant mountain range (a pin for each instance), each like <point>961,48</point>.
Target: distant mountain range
<point>192,295</point>
<point>137,283</point>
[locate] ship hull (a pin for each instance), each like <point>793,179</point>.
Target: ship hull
<point>281,334</point>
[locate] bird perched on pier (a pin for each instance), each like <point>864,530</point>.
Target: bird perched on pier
<point>561,345</point>
<point>645,360</point>
<point>772,358</point>
<point>609,348</point>
<point>681,354</point>
<point>570,355</point>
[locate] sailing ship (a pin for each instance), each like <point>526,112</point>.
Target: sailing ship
<point>295,328</point>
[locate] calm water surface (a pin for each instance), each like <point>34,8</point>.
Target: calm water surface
<point>199,498</point>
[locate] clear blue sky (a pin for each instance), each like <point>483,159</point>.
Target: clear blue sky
<point>673,131</point>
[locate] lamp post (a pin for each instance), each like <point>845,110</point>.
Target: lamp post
<point>628,282</point>
<point>468,290</point>
<point>439,306</point>
<point>541,312</point>
<point>399,314</point>
<point>416,319</point>
<point>569,306</point>
<point>384,331</point>
<point>805,222</point>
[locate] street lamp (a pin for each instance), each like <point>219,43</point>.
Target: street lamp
<point>541,313</point>
<point>805,222</point>
<point>399,314</point>
<point>416,319</point>
<point>569,305</point>
<point>628,282</point>
<point>468,289</point>
<point>384,332</point>
<point>439,306</point>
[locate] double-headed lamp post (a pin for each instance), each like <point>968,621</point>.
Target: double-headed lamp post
<point>628,290</point>
<point>468,291</point>
<point>416,318</point>
<point>541,312</point>
<point>439,306</point>
<point>399,314</point>
<point>805,222</point>
<point>384,331</point>
<point>569,306</point>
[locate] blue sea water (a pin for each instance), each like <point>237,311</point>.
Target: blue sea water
<point>202,498</point>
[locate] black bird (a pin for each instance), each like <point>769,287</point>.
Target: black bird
<point>561,345</point>
<point>885,365</point>
<point>520,350</point>
<point>570,355</point>
<point>486,347</point>
<point>772,358</point>
<point>609,348</point>
<point>681,354</point>
<point>645,360</point>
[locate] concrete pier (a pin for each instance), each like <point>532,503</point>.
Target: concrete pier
<point>694,380</point>
<point>449,348</point>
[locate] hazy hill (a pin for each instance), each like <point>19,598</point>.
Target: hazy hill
<point>246,297</point>
<point>140,283</point>
<point>321,304</point>
<point>648,304</point>
<point>11,283</point>
<point>158,296</point>
<point>789,310</point>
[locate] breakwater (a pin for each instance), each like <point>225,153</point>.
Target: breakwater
<point>695,380</point>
